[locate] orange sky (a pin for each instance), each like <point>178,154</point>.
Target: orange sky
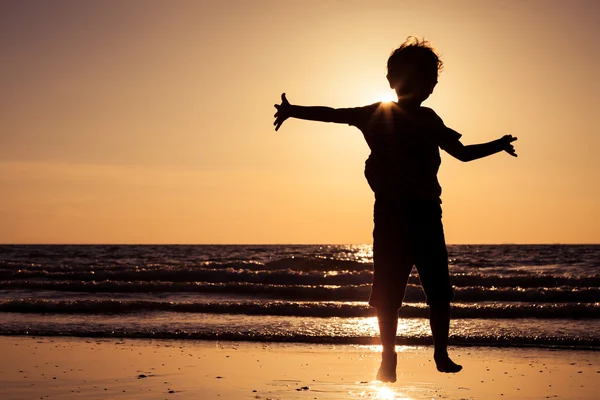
<point>151,121</point>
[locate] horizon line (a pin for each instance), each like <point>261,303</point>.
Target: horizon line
<point>286,244</point>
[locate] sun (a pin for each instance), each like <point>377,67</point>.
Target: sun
<point>387,96</point>
<point>378,93</point>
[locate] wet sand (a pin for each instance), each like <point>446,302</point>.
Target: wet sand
<point>72,368</point>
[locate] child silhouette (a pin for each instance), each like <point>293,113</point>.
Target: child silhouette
<point>404,138</point>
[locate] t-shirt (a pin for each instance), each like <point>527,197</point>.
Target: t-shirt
<point>405,155</point>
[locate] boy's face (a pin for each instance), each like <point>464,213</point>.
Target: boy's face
<point>412,85</point>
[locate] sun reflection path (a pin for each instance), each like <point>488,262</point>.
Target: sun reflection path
<point>368,327</point>
<point>379,391</point>
<point>384,392</point>
<point>362,253</point>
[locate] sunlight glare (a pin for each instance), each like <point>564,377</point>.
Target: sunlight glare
<point>387,393</point>
<point>376,94</point>
<point>388,96</point>
<point>384,393</point>
<point>368,326</point>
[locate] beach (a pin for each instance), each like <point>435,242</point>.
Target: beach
<point>75,368</point>
<point>289,322</point>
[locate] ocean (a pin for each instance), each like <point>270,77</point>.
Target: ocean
<point>505,295</point>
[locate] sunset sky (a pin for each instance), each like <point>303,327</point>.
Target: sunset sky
<point>151,121</point>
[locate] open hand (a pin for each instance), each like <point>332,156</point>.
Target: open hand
<point>283,112</point>
<point>506,143</point>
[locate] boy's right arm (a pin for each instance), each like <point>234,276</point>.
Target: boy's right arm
<point>286,110</point>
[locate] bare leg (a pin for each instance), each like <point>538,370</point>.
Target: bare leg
<point>388,325</point>
<point>439,319</point>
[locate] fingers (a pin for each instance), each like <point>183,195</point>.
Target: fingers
<point>509,147</point>
<point>278,122</point>
<point>280,118</point>
<point>511,150</point>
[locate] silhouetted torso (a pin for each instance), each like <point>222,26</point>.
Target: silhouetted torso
<point>405,157</point>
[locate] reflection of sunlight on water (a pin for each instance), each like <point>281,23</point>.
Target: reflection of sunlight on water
<point>378,392</point>
<point>384,393</point>
<point>362,253</point>
<point>413,327</point>
<point>375,348</point>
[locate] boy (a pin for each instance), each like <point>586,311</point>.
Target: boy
<point>404,139</point>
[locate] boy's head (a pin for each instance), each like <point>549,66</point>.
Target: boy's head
<point>413,69</point>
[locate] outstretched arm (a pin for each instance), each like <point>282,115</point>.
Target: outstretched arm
<point>476,151</point>
<point>286,110</point>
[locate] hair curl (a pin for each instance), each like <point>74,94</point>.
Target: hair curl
<point>418,54</point>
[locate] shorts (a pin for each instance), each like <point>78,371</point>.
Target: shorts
<point>407,233</point>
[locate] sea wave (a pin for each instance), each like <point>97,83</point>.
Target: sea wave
<point>254,273</point>
<point>583,257</point>
<point>490,340</point>
<point>414,293</point>
<point>301,309</point>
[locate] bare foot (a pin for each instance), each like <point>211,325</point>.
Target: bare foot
<point>445,364</point>
<point>387,369</point>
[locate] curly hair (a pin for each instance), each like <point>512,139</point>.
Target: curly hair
<point>415,54</point>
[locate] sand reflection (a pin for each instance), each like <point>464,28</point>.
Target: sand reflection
<point>379,391</point>
<point>388,393</point>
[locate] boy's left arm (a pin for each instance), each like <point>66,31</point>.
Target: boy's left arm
<point>449,140</point>
<point>475,151</point>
